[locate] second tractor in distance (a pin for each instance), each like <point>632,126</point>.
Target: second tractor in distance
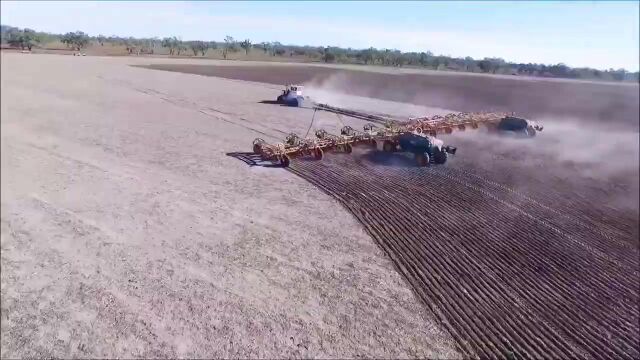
<point>291,96</point>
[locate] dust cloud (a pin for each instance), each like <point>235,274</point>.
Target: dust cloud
<point>339,90</point>
<point>597,151</point>
<point>588,155</point>
<point>603,152</point>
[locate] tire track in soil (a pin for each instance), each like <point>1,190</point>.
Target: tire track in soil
<point>503,273</point>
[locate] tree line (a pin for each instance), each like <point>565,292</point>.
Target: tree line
<point>27,39</point>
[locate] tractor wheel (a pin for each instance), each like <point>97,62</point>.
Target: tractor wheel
<point>348,148</point>
<point>388,146</point>
<point>318,153</point>
<point>440,156</point>
<point>373,144</point>
<point>285,160</point>
<point>422,159</point>
<point>530,131</point>
<point>257,145</point>
<point>280,99</point>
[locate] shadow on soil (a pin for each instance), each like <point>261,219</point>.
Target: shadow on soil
<point>252,159</point>
<point>399,159</point>
<point>270,102</point>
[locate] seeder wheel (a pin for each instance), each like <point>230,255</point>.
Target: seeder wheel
<point>388,146</point>
<point>318,154</point>
<point>344,148</point>
<point>257,145</point>
<point>285,161</point>
<point>422,159</point>
<point>440,156</point>
<point>530,131</point>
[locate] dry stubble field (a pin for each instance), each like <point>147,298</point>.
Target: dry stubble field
<point>123,215</point>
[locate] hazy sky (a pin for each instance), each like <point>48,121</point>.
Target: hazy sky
<point>595,34</point>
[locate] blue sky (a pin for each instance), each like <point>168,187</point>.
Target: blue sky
<point>596,34</point>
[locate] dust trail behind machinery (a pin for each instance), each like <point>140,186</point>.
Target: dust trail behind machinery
<point>602,154</point>
<point>583,157</point>
<point>613,103</point>
<point>337,90</point>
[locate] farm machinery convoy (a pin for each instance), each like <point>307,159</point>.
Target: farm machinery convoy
<point>416,136</point>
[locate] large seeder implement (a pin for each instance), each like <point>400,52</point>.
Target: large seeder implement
<point>417,135</point>
<point>294,146</point>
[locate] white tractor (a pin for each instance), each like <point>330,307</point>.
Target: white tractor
<point>291,95</point>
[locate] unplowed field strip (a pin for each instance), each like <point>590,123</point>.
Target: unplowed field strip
<point>507,274</point>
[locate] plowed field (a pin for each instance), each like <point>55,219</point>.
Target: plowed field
<point>130,229</point>
<point>508,273</point>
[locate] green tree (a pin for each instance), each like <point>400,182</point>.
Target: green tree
<point>367,55</point>
<point>30,38</point>
<point>469,63</point>
<point>15,39</point>
<point>276,48</point>
<point>198,47</point>
<point>180,47</point>
<point>76,40</point>
<point>173,44</point>
<point>229,46</point>
<point>26,38</point>
<point>328,56</point>
<point>246,45</point>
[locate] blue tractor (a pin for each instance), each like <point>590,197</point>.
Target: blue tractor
<point>291,96</point>
<point>426,149</point>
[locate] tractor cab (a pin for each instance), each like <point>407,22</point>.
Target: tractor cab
<point>292,91</point>
<point>291,95</point>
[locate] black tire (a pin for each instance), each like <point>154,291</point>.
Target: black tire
<point>318,154</point>
<point>388,146</point>
<point>285,161</point>
<point>531,132</point>
<point>257,145</point>
<point>422,159</point>
<point>348,148</point>
<point>440,156</point>
<point>280,99</point>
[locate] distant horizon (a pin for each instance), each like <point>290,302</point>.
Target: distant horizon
<point>597,35</point>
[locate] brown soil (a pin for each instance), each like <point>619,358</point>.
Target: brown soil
<point>128,231</point>
<point>542,272</point>
<point>615,104</point>
<point>520,247</point>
